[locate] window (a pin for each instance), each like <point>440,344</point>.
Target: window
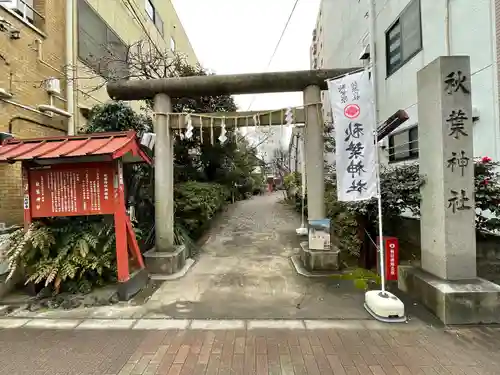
<point>99,46</point>
<point>150,10</point>
<point>404,145</point>
<point>403,39</point>
<point>155,16</point>
<point>172,44</point>
<point>22,7</point>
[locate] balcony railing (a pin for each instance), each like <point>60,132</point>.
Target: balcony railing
<point>26,11</point>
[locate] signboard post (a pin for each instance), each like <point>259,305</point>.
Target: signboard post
<point>81,189</point>
<point>392,258</point>
<point>391,248</point>
<point>89,182</point>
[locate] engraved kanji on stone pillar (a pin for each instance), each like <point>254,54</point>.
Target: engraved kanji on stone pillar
<point>448,236</point>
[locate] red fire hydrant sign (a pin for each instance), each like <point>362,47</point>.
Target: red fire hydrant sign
<point>391,257</point>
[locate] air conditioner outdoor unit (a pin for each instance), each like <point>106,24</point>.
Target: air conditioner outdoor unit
<point>365,53</point>
<point>4,94</point>
<point>53,86</point>
<point>4,136</point>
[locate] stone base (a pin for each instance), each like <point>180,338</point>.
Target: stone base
<point>189,263</point>
<point>319,260</point>
<point>165,263</point>
<point>475,301</point>
<point>138,280</point>
<point>300,269</point>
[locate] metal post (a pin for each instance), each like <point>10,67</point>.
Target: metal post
<point>373,59</point>
<point>314,155</point>
<point>164,175</point>
<point>70,5</point>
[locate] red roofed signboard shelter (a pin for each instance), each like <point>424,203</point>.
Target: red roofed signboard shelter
<point>82,175</point>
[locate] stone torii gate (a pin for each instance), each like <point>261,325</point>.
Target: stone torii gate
<point>168,258</point>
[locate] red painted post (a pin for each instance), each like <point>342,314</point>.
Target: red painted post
<point>133,245</point>
<point>120,225</point>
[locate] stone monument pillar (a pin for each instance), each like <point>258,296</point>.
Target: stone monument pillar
<point>446,154</point>
<point>447,281</point>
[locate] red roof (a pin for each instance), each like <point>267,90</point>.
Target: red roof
<point>107,145</point>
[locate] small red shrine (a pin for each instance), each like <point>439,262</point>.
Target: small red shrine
<point>82,175</point>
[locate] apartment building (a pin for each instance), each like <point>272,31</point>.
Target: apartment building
<point>118,24</point>
<point>39,39</point>
<point>409,34</point>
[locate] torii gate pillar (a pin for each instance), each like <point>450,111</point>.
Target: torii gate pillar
<point>164,175</point>
<point>165,258</point>
<point>314,153</point>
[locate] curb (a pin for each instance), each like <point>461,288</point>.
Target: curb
<point>199,324</point>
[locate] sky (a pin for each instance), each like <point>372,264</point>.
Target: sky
<point>239,36</point>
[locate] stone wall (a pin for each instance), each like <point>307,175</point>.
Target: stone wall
<point>407,231</point>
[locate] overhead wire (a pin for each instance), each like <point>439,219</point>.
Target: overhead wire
<point>128,4</point>
<point>278,43</point>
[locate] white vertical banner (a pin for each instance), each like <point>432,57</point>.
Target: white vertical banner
<point>351,99</point>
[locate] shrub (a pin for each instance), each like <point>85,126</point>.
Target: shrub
<point>487,189</point>
<point>196,203</point>
<point>292,180</point>
<point>343,223</point>
<point>401,192</point>
<point>292,183</point>
<point>116,116</point>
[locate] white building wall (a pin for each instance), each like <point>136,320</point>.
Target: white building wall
<point>345,32</point>
<point>337,47</point>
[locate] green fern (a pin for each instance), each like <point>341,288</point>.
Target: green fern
<point>62,250</point>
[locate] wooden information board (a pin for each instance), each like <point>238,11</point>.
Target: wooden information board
<point>72,189</point>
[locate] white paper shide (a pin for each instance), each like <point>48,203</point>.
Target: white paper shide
<point>351,101</point>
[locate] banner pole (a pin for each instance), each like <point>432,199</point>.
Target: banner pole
<point>381,251</point>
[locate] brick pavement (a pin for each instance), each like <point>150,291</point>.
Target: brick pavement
<point>264,351</point>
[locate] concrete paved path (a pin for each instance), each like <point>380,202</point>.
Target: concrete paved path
<point>250,351</point>
<point>244,272</point>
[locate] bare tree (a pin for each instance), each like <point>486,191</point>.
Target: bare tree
<point>144,60</point>
<point>279,162</point>
<point>139,60</point>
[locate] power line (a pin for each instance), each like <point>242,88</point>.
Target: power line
<point>278,44</point>
<point>130,6</point>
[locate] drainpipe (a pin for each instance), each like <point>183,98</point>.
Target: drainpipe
<point>447,43</point>
<point>495,79</point>
<point>75,68</point>
<point>70,6</point>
